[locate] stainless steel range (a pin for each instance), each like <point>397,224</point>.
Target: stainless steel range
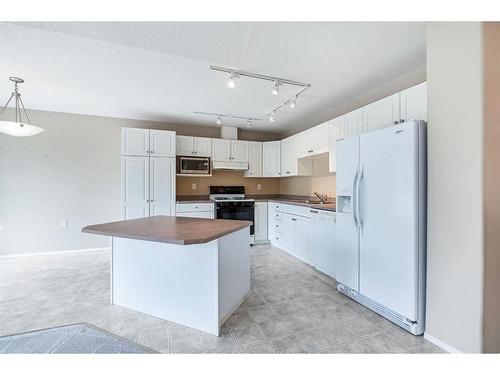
<point>231,204</point>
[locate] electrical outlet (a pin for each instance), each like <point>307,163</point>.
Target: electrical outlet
<point>259,187</point>
<point>64,223</point>
<point>193,186</point>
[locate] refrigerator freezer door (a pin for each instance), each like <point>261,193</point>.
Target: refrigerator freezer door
<point>346,252</point>
<point>388,214</point>
<point>347,165</point>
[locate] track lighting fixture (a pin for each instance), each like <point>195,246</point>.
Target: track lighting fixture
<point>218,121</point>
<point>293,102</point>
<point>231,82</point>
<point>276,87</point>
<point>271,117</point>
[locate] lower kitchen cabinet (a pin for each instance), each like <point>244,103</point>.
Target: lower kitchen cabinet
<point>307,234</point>
<point>199,210</point>
<point>260,224</point>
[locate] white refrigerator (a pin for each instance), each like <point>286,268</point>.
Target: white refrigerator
<point>381,222</point>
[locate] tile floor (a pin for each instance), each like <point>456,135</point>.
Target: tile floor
<point>291,308</point>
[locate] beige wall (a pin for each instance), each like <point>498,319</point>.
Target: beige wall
<point>455,190</point>
<point>268,185</point>
<point>321,181</point>
<point>72,172</point>
<point>491,322</point>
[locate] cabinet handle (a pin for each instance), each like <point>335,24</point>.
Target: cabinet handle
<point>152,200</point>
<point>395,122</point>
<point>294,219</point>
<point>313,211</point>
<point>402,120</point>
<point>310,151</point>
<point>152,151</point>
<point>287,172</point>
<point>147,152</point>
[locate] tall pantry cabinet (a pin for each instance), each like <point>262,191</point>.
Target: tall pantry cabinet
<point>147,173</point>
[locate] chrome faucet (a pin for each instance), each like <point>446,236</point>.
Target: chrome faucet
<point>322,197</point>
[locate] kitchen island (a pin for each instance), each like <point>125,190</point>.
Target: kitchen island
<point>194,272</point>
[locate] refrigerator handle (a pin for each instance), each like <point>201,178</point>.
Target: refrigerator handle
<point>354,199</point>
<point>358,195</point>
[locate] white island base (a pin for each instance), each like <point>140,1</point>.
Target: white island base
<point>198,285</point>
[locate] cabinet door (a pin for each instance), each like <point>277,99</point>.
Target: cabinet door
<point>414,103</point>
<point>184,145</point>
<point>353,123</point>
<point>221,149</point>
<point>260,221</point>
<point>203,147</point>
<point>162,143</point>
<point>300,228</point>
<point>162,186</point>
<point>381,114</point>
<point>135,142</point>
<point>239,151</point>
<point>135,187</point>
<point>254,160</point>
<point>288,234</point>
<point>271,159</point>
<point>335,127</point>
<point>317,139</point>
<point>288,157</point>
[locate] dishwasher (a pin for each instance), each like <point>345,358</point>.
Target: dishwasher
<point>321,241</point>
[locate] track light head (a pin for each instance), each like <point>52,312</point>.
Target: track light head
<point>271,117</point>
<point>276,87</point>
<point>231,82</point>
<point>218,121</point>
<point>249,124</point>
<point>293,102</point>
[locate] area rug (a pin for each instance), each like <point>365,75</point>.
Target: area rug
<point>75,338</point>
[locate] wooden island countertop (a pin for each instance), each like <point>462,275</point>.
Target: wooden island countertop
<point>169,229</point>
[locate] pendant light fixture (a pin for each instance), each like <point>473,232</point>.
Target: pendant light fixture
<point>18,128</point>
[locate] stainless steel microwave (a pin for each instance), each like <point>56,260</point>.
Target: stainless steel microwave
<point>193,165</point>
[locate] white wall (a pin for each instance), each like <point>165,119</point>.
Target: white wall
<point>72,172</point>
<point>455,188</point>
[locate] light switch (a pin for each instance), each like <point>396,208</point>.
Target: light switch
<point>259,187</point>
<point>193,186</point>
<point>64,223</point>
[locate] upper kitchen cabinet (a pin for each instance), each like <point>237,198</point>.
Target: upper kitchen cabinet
<point>271,159</point>
<point>335,129</point>
<point>221,149</point>
<point>135,142</point>
<point>239,151</point>
<point>414,103</point>
<point>314,141</point>
<point>381,114</point>
<point>162,143</point>
<point>194,146</point>
<point>254,160</point>
<point>145,142</point>
<point>229,150</point>
<point>291,165</point>
<point>353,124</point>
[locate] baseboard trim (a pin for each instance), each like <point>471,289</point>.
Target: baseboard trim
<point>441,344</point>
<point>55,252</point>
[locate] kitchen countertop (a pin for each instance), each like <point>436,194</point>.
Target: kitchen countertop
<point>288,199</point>
<point>169,229</point>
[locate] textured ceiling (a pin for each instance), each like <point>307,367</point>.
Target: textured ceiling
<point>160,70</point>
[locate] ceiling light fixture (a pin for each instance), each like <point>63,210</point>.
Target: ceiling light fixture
<point>293,102</point>
<point>218,121</point>
<point>231,82</point>
<point>271,117</point>
<point>276,87</point>
<point>249,124</point>
<point>18,128</point>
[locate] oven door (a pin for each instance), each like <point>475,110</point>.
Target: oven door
<point>236,211</point>
<point>193,165</point>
